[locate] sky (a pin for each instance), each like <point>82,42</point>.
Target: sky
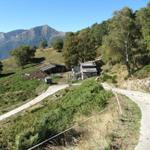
<point>63,15</point>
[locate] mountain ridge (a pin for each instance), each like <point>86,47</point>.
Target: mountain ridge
<point>33,36</point>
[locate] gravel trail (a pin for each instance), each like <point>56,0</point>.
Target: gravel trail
<point>143,101</point>
<point>51,90</point>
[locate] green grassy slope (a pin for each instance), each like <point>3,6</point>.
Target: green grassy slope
<point>50,56</point>
<point>52,116</point>
<point>15,89</point>
<point>65,109</point>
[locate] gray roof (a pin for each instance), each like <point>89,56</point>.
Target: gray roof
<point>90,70</point>
<point>48,67</point>
<point>89,63</point>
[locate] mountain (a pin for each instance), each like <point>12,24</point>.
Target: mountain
<point>32,37</point>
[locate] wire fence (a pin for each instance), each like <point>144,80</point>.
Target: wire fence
<point>79,124</point>
<point>53,137</point>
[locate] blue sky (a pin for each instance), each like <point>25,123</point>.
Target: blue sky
<point>63,15</point>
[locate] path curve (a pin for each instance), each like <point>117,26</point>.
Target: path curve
<point>51,90</point>
<point>143,101</point>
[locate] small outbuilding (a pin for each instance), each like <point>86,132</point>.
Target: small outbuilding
<point>85,70</point>
<point>88,69</point>
<point>54,68</point>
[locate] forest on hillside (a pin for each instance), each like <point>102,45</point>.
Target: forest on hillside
<point>124,38</point>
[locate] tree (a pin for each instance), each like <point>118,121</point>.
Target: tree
<point>57,44</point>
<point>23,54</point>
<point>98,31</point>
<point>86,46</point>
<point>143,22</point>
<point>82,46</point>
<point>121,42</point>
<point>69,50</point>
<point>79,47</point>
<point>1,67</point>
<point>43,44</point>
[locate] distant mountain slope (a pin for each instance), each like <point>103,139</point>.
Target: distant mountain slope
<point>33,36</point>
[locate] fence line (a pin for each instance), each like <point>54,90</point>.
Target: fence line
<point>49,139</point>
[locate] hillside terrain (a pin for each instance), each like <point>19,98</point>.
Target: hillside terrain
<point>119,49</point>
<point>72,106</point>
<point>139,81</point>
<point>32,37</point>
<point>15,88</point>
<point>64,109</point>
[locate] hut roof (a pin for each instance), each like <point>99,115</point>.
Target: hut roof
<point>88,64</point>
<point>48,67</point>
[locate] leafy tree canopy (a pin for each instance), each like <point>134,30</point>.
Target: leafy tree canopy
<point>43,44</point>
<point>82,46</point>
<point>57,43</point>
<point>143,22</point>
<point>125,38</point>
<point>23,54</point>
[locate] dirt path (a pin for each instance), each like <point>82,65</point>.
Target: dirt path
<point>143,101</point>
<point>51,90</point>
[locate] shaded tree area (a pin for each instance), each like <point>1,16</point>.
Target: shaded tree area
<point>82,46</point>
<point>125,38</point>
<point>143,23</point>
<point>124,43</point>
<point>120,44</point>
<point>57,43</point>
<point>43,44</point>
<point>70,50</point>
<point>23,54</point>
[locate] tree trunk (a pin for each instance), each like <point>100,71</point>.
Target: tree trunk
<point>128,68</point>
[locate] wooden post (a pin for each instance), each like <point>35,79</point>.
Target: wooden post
<point>118,102</point>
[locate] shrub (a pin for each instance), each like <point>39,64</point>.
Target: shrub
<point>23,54</point>
<point>109,78</point>
<point>143,72</point>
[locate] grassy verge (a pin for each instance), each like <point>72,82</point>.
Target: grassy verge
<point>108,130</point>
<point>52,116</point>
<point>15,89</point>
<point>125,133</point>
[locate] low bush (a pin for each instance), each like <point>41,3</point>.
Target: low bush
<point>109,78</point>
<point>143,72</point>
